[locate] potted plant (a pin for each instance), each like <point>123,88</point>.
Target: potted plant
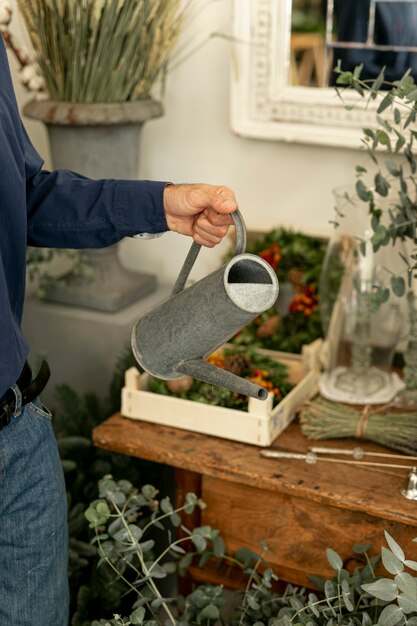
<point>94,68</point>
<point>356,597</point>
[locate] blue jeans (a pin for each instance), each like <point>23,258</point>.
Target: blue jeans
<point>33,523</point>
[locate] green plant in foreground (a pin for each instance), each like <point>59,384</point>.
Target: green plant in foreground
<point>129,546</point>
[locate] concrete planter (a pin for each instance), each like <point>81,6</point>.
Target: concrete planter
<point>98,140</point>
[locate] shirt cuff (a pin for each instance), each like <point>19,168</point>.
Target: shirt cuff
<point>139,207</point>
<point>147,235</point>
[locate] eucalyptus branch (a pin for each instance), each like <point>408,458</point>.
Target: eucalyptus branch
<point>168,550</point>
<point>319,602</point>
<point>145,570</point>
<point>249,585</point>
<point>114,568</point>
<point>164,516</point>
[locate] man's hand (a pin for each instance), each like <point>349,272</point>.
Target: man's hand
<point>200,211</point>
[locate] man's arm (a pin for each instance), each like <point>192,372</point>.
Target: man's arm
<point>67,210</point>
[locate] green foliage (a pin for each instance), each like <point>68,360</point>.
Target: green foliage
<point>392,172</point>
<point>350,598</point>
<point>38,262</point>
<point>297,260</point>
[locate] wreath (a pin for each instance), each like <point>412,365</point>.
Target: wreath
<point>259,369</point>
<point>297,260</point>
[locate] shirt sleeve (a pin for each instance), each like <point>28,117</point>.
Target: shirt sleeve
<point>68,210</point>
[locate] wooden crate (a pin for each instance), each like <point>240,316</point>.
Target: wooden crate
<point>260,425</point>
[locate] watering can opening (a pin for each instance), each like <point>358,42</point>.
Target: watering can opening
<point>251,283</point>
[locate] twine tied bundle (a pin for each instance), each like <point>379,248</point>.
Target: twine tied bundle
<point>322,419</point>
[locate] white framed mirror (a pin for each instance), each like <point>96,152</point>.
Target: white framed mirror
<point>265,105</point>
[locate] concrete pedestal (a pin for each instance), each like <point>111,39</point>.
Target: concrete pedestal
<point>81,345</point>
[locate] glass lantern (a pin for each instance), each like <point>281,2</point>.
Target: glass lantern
<point>362,320</point>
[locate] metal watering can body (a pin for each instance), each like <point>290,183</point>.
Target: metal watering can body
<point>174,338</point>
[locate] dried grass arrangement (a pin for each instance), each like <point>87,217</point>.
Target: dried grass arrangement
<point>322,419</point>
<point>102,50</point>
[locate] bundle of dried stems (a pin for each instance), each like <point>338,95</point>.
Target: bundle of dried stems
<point>102,50</point>
<point>322,419</point>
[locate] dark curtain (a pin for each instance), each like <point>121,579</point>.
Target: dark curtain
<point>395,24</point>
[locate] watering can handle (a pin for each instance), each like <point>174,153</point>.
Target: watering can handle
<point>195,249</point>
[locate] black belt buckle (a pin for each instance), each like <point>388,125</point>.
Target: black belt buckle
<point>6,413</point>
<point>29,390</point>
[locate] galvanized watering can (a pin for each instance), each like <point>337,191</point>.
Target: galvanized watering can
<point>174,338</point>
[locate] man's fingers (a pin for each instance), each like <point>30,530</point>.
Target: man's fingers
<point>220,199</point>
<point>216,218</point>
<point>207,233</point>
<point>205,241</point>
<point>223,200</point>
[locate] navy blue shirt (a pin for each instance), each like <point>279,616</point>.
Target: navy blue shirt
<point>58,209</point>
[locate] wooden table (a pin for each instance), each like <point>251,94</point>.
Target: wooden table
<point>297,509</point>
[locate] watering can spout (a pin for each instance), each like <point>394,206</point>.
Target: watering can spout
<point>209,373</point>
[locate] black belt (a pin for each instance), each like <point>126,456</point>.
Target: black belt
<point>29,390</point>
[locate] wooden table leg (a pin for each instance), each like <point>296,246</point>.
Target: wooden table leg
<point>187,482</point>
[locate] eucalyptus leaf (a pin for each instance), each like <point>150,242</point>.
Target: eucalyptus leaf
<point>138,615</point>
<point>400,143</point>
<point>361,548</point>
<point>392,168</point>
<point>314,608</point>
<point>329,588</point>
<point>385,102</point>
<point>156,571</point>
<point>166,505</point>
<point>362,191</point>
<point>390,615</point>
<point>398,288</point>
<point>147,545</point>
<point>169,567</point>
<point>382,186</point>
<point>407,584</point>
<point>407,605</point>
<point>175,520</point>
<point>334,559</point>
<point>347,596</point>
<point>219,547</point>
<point>210,612</point>
<point>383,589</point>
<point>394,547</point>
<point>199,542</point>
<point>186,561</point>
<point>410,119</point>
<point>366,620</point>
<point>203,560</point>
<point>383,138</point>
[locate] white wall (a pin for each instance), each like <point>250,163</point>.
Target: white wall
<point>275,183</point>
